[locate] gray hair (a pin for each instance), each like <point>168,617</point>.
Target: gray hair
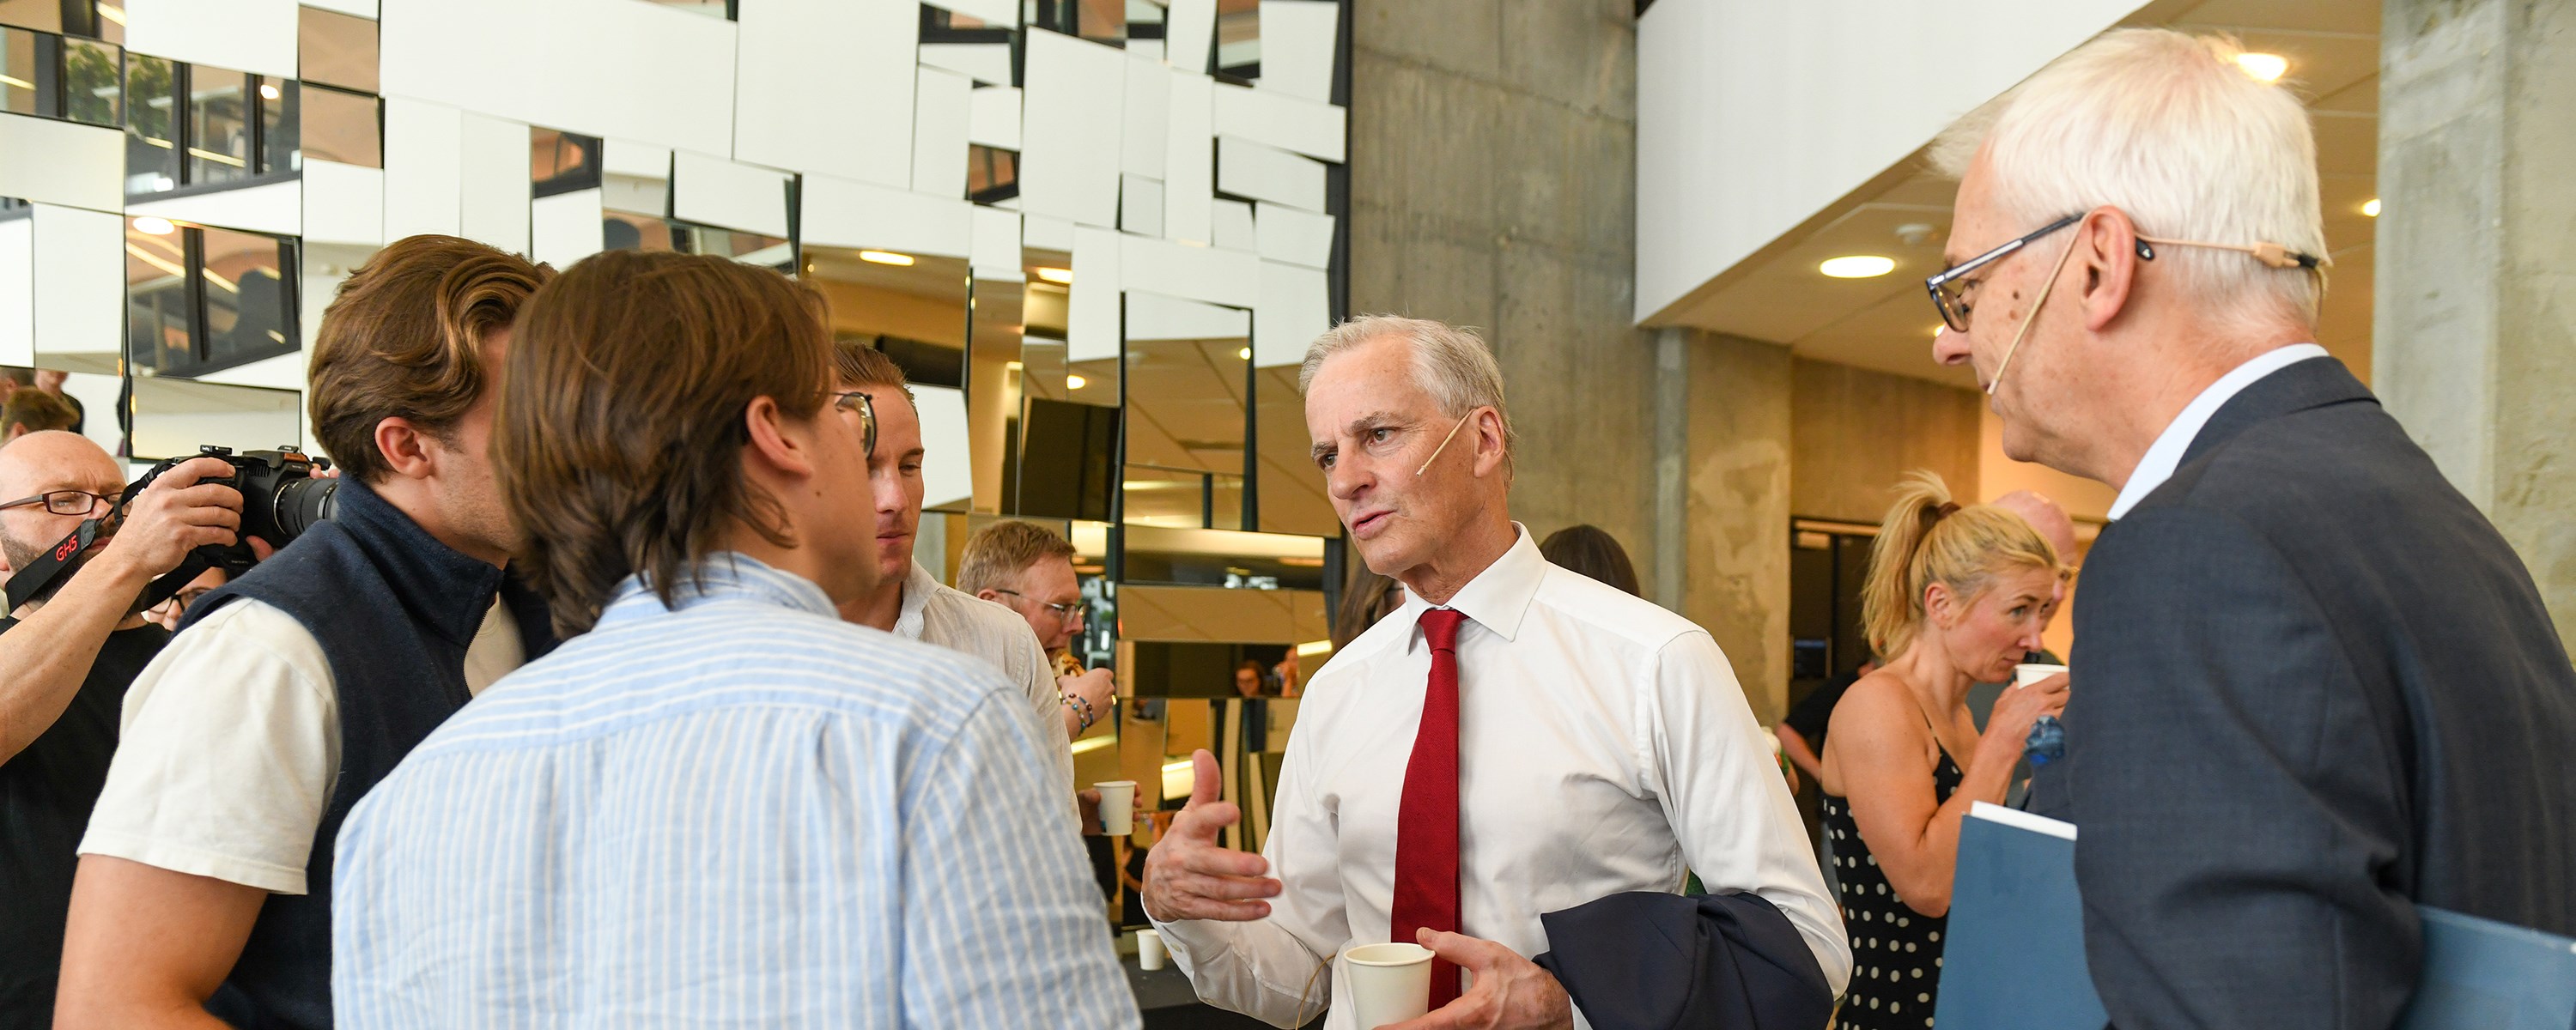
<point>1452,363</point>
<point>2169,129</point>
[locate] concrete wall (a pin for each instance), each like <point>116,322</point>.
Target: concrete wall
<point>1755,114</point>
<point>1854,432</point>
<point>1736,554</point>
<point>1492,185</point>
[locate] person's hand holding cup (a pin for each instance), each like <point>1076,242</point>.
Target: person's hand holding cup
<point>2037,690</point>
<point>1191,876</point>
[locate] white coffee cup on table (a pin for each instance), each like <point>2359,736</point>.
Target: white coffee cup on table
<point>1117,807</point>
<point>2028,673</point>
<point>1390,983</point>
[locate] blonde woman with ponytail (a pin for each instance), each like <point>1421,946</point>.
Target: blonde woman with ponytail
<point>1955,596</point>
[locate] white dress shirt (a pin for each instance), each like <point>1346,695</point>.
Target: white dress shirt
<point>1603,746</point>
<point>944,616</point>
<point>2165,454</point>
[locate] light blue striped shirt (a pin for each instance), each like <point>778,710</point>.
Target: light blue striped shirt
<point>743,812</point>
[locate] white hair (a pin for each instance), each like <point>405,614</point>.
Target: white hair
<point>2169,129</point>
<point>1452,363</point>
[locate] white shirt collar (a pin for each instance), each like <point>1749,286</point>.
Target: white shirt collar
<point>918,588</point>
<point>1496,599</point>
<point>2165,454</point>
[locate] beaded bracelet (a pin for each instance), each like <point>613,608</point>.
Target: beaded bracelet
<point>1083,717</point>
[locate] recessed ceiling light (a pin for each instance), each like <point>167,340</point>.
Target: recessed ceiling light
<point>2263,67</point>
<point>1075,382</point>
<point>268,92</point>
<point>1061,276</point>
<point>885,257</point>
<point>1857,266</point>
<point>2370,207</point>
<point>1245,353</point>
<point>151,226</point>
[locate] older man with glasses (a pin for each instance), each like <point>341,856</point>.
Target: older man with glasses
<point>2315,687</point>
<point>66,659</point>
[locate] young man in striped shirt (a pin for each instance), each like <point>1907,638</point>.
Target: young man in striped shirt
<point>720,804</point>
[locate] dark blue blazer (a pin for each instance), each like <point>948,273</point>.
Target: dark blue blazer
<point>1649,961</point>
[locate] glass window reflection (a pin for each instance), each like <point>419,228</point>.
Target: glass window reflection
<point>249,309</point>
<point>158,322</point>
<point>218,123</point>
<point>92,91</point>
<point>278,151</point>
<point>152,159</point>
<point>18,71</point>
<point>337,49</point>
<point>337,126</point>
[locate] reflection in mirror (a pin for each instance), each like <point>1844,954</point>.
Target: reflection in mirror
<point>218,125</point>
<point>1100,21</point>
<point>278,123</point>
<point>1185,431</point>
<point>623,230</point>
<point>992,174</point>
<point>993,374</point>
<point>40,15</point>
<point>17,282</point>
<point>1221,558</point>
<point>912,308</point>
<point>340,126</point>
<point>160,321</point>
<point>200,300</point>
<point>1238,38</point>
<point>19,73</point>
<point>173,417</point>
<point>152,110</point>
<point>93,82</point>
<point>561,162</point>
<point>710,8</point>
<point>1289,486</point>
<point>337,49</point>
<point>1064,464</point>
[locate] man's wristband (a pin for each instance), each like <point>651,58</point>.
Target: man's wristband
<point>1083,713</point>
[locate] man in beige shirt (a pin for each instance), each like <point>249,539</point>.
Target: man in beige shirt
<point>910,602</point>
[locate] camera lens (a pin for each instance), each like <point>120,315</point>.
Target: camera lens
<point>300,503</point>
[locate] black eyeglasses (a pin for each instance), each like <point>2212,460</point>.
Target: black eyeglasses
<point>858,402</point>
<point>1951,295</point>
<point>1065,612</point>
<point>67,502</point>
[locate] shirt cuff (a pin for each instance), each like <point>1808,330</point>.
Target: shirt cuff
<point>267,876</point>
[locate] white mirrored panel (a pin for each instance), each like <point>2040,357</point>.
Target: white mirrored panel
<point>1187,407</point>
<point>173,417</point>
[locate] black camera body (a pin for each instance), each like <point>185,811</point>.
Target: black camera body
<point>280,498</point>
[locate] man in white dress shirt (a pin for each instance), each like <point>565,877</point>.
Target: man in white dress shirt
<point>1581,742</point>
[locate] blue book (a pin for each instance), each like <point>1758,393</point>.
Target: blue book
<point>2014,956</point>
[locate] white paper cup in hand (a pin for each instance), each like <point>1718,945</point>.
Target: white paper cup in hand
<point>1149,949</point>
<point>1390,983</point>
<point>2033,672</point>
<point>1117,807</point>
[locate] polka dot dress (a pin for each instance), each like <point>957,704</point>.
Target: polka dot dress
<point>1896,951</point>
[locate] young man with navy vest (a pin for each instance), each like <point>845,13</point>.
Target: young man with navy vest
<point>204,884</point>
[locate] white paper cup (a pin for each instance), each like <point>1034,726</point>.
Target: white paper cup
<point>1390,983</point>
<point>1149,949</point>
<point>2033,672</point>
<point>1117,807</point>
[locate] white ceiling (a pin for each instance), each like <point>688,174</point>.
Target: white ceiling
<point>1886,323</point>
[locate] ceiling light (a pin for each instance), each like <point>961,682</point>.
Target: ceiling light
<point>1857,266</point>
<point>1060,276</point>
<point>2370,208</point>
<point>2263,67</point>
<point>151,226</point>
<point>268,92</point>
<point>1075,382</point>
<point>1244,353</point>
<point>885,257</point>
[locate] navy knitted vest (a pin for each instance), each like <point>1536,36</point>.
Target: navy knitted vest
<point>394,611</point>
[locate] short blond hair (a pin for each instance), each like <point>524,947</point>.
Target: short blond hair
<point>2169,129</point>
<point>998,553</point>
<point>1927,539</point>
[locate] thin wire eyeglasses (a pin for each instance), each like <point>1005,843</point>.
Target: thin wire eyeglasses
<point>858,402</point>
<point>1064,612</point>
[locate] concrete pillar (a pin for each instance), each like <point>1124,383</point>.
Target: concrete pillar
<point>1672,466</point>
<point>2474,337</point>
<point>1736,564</point>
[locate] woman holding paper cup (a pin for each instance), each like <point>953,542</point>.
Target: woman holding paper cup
<point>1955,596</point>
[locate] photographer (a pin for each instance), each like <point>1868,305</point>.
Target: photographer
<point>205,876</point>
<point>65,661</point>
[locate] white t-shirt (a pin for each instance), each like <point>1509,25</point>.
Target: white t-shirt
<point>231,743</point>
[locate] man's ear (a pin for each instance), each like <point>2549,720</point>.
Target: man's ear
<point>1489,440</point>
<point>989,594</point>
<point>406,447</point>
<point>774,441</point>
<point>2106,245</point>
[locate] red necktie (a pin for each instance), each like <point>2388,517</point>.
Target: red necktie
<point>1426,823</point>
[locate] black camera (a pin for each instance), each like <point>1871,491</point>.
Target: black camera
<point>280,497</point>
<point>280,500</point>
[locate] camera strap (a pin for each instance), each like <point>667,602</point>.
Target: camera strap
<point>26,583</point>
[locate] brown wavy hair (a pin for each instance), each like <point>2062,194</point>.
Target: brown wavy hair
<point>620,436</point>
<point>1927,539</point>
<point>404,338</point>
